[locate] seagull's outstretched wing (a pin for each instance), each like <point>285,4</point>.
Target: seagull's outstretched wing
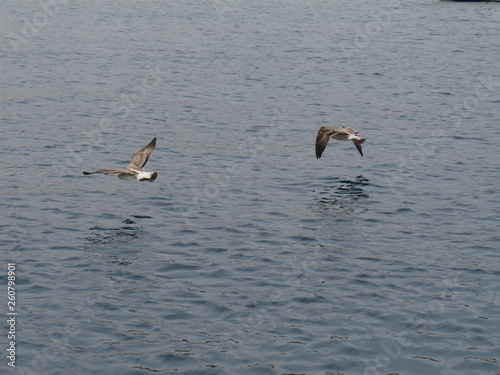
<point>140,159</point>
<point>324,135</point>
<point>358,143</point>
<point>110,171</point>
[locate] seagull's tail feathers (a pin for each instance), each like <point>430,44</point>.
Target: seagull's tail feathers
<point>147,176</point>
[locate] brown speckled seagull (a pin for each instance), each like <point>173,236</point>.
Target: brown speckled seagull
<point>344,134</point>
<point>134,170</point>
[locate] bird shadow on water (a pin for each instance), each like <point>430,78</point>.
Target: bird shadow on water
<point>113,237</point>
<point>338,196</point>
<point>114,245</point>
<point>115,253</point>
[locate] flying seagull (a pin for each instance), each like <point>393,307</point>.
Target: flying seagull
<point>344,134</point>
<point>134,169</point>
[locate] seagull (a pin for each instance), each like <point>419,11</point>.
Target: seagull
<point>344,134</point>
<point>134,169</point>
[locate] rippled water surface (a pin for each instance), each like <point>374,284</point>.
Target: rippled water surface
<point>248,255</point>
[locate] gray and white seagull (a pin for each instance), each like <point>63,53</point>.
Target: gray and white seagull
<point>344,134</point>
<point>134,170</point>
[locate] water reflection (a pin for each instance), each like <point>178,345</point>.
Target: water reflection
<point>340,195</point>
<point>114,237</point>
<point>113,250</point>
